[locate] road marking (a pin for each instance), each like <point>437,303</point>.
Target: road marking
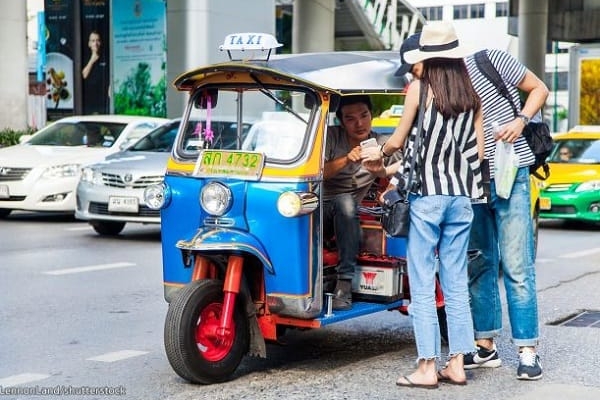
<point>21,379</point>
<point>117,355</point>
<point>80,228</point>
<point>99,267</point>
<point>581,253</point>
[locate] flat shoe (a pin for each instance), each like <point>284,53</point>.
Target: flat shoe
<point>446,379</point>
<point>411,384</point>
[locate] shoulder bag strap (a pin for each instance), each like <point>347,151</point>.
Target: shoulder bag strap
<point>485,66</point>
<point>417,144</point>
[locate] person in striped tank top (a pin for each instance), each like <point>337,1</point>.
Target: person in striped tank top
<point>449,176</point>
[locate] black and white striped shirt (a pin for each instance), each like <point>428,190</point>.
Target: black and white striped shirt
<point>448,162</point>
<point>497,108</point>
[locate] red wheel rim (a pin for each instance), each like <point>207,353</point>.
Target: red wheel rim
<point>213,347</point>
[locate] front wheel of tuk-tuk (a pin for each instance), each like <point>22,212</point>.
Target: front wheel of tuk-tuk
<point>194,349</point>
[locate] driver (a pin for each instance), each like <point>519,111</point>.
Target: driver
<point>346,182</point>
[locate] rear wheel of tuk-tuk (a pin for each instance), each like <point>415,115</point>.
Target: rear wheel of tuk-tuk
<point>194,349</point>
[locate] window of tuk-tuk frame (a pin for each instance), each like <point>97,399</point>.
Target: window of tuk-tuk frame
<point>274,121</point>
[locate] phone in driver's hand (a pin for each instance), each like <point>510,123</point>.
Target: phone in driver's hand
<point>371,142</point>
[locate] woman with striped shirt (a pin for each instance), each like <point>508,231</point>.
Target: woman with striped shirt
<point>449,176</point>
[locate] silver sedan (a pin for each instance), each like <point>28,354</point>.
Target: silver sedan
<point>110,193</point>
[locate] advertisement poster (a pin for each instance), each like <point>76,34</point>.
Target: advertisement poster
<point>95,73</point>
<point>59,56</point>
<point>589,99</point>
<point>139,57</point>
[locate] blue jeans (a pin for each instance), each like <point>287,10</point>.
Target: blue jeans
<point>439,230</point>
<point>341,214</point>
<point>502,231</point>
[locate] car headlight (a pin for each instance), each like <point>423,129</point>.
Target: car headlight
<point>91,176</point>
<point>588,186</point>
<point>157,196</point>
<point>62,171</point>
<point>215,198</point>
<point>292,204</point>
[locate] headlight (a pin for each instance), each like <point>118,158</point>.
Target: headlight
<point>91,176</point>
<point>292,204</point>
<point>61,171</point>
<point>215,198</point>
<point>588,186</point>
<point>157,196</point>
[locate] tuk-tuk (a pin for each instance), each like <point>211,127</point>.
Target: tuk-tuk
<point>244,254</point>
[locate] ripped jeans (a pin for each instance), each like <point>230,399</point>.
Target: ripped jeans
<point>502,231</point>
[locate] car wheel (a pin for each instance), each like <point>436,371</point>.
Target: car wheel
<point>194,349</point>
<point>108,228</point>
<point>4,212</point>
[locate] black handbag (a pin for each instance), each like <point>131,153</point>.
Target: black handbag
<point>395,217</point>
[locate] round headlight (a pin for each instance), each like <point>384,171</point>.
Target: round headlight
<point>292,204</point>
<point>156,196</point>
<point>215,198</point>
<point>289,204</point>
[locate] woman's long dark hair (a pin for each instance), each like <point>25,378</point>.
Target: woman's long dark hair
<point>452,89</point>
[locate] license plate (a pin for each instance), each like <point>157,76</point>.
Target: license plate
<point>4,193</point>
<point>545,203</point>
<point>123,204</point>
<point>242,164</point>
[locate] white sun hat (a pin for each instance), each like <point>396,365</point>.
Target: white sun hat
<point>438,40</point>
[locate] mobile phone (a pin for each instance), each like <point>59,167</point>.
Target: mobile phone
<point>371,142</point>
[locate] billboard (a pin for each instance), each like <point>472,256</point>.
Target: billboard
<point>584,81</point>
<point>95,68</point>
<point>59,17</point>
<point>139,57</point>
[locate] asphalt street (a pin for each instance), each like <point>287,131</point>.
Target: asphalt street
<point>83,311</point>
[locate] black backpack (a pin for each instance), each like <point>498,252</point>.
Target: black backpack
<point>537,134</point>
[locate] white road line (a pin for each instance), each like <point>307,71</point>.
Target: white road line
<point>117,355</point>
<point>81,228</point>
<point>581,253</point>
<point>99,267</point>
<point>20,379</point>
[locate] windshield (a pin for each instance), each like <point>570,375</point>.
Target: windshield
<point>159,140</point>
<point>576,151</point>
<point>273,122</point>
<point>92,134</point>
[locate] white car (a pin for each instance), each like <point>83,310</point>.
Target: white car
<point>41,173</point>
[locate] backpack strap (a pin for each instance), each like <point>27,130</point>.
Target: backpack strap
<point>487,69</point>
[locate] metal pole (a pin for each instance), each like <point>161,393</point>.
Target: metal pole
<point>555,85</point>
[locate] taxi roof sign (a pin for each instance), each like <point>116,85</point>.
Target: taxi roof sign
<point>250,41</point>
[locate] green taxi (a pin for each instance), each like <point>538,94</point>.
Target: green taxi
<point>572,192</point>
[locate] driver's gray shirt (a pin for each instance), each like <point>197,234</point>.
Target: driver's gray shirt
<point>353,178</point>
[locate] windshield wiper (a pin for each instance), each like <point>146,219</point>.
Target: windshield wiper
<point>270,94</point>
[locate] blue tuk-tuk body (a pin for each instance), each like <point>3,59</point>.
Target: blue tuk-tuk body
<point>243,249</point>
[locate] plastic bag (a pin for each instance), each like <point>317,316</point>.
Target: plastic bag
<point>506,164</point>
